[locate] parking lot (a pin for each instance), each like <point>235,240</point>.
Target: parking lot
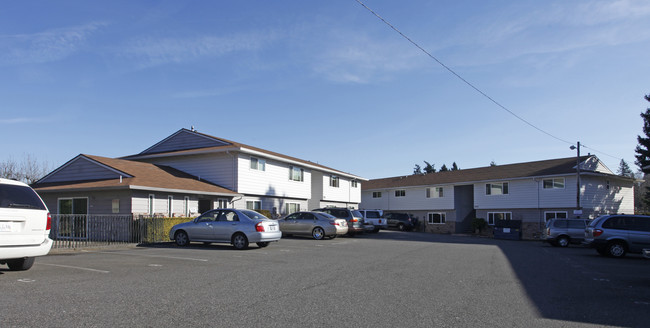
<point>389,279</point>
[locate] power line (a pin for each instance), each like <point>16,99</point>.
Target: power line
<point>469,83</point>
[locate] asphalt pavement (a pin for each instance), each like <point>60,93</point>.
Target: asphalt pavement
<point>389,279</point>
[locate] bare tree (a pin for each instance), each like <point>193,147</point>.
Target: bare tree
<point>28,171</point>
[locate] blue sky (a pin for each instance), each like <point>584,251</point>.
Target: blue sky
<point>327,81</point>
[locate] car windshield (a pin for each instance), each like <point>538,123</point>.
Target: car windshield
<point>253,215</point>
<point>12,196</point>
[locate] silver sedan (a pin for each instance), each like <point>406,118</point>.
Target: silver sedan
<point>236,227</point>
<point>315,224</point>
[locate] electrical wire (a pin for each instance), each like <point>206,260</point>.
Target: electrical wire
<point>469,83</point>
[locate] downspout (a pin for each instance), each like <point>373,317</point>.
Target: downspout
<point>234,173</point>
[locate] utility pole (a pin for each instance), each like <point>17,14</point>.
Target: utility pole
<point>578,211</point>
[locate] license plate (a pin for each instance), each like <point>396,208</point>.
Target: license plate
<point>273,228</point>
<point>6,227</point>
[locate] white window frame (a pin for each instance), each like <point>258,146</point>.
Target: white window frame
<point>58,204</point>
<point>503,190</point>
<point>555,183</point>
<point>186,206</point>
<point>257,205</point>
<point>258,164</point>
<point>222,203</point>
<point>400,193</point>
<point>555,213</point>
<point>438,192</point>
<point>491,221</point>
<point>376,194</point>
<point>354,183</point>
<point>293,170</point>
<point>443,218</point>
<point>115,206</point>
<point>334,181</point>
<point>292,208</point>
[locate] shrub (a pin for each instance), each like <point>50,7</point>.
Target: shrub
<point>479,224</point>
<point>266,213</point>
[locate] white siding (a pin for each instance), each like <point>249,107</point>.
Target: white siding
<point>618,198</point>
<point>316,190</point>
<point>343,193</point>
<point>415,198</point>
<point>215,168</point>
<point>273,181</point>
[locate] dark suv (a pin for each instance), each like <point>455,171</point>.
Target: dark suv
<point>401,221</point>
<point>615,235</point>
<point>353,217</point>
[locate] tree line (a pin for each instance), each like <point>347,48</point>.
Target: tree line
<point>431,168</point>
<point>27,170</point>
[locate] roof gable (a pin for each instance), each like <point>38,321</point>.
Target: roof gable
<point>83,168</point>
<point>184,140</point>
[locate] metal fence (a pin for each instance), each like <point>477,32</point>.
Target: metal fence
<point>75,231</point>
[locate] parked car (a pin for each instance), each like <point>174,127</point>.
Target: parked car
<point>237,227</point>
<point>562,232</point>
<point>24,225</point>
<point>353,218</point>
<point>315,224</point>
<point>374,217</point>
<point>401,221</point>
<point>616,235</point>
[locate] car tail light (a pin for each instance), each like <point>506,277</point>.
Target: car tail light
<point>48,225</point>
<point>334,223</point>
<point>598,232</point>
<point>259,227</point>
<point>354,220</point>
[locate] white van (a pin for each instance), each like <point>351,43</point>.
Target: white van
<point>24,225</point>
<point>376,218</point>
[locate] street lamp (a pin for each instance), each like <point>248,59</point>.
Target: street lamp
<point>578,210</point>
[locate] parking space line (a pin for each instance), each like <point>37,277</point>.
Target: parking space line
<point>74,267</point>
<point>157,256</point>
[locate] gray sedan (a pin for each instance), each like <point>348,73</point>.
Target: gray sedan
<point>315,224</point>
<point>236,227</point>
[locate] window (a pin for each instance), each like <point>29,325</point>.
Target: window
<point>556,183</point>
<point>186,206</point>
<point>253,205</point>
<point>116,206</point>
<point>435,192</point>
<point>436,218</point>
<point>170,207</point>
<point>334,181</point>
<point>296,173</point>
<point>293,208</point>
<point>73,205</point>
<point>258,164</point>
<point>151,201</point>
<point>494,216</point>
<point>222,203</point>
<point>496,188</point>
<point>354,183</point>
<point>400,193</point>
<point>376,194</point>
<point>555,215</point>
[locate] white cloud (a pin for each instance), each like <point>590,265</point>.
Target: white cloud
<point>152,51</point>
<point>47,46</point>
<point>17,120</point>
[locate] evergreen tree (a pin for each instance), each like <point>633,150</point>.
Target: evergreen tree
<point>643,148</point>
<point>429,168</point>
<point>454,167</point>
<point>443,168</point>
<point>493,163</point>
<point>624,169</point>
<point>417,170</point>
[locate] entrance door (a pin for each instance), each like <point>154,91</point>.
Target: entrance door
<point>205,205</point>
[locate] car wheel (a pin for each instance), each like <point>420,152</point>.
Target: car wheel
<point>616,249</point>
<point>263,243</point>
<point>563,241</point>
<point>401,227</point>
<point>240,241</point>
<point>20,264</point>
<point>376,230</point>
<point>181,238</point>
<point>318,233</point>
